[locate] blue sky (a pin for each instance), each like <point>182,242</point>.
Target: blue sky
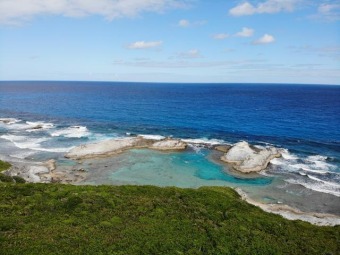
<point>270,41</point>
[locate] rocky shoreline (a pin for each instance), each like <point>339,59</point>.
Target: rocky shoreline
<point>290,213</point>
<point>240,157</point>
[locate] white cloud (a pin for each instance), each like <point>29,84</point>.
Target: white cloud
<point>187,23</point>
<point>220,36</point>
<point>18,11</point>
<point>183,23</point>
<point>329,11</point>
<point>268,6</point>
<point>193,53</point>
<point>242,9</point>
<point>245,32</point>
<point>265,39</point>
<point>145,45</point>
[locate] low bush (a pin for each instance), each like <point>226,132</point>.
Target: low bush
<point>66,219</point>
<point>5,178</point>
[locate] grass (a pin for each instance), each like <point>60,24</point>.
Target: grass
<point>66,219</point>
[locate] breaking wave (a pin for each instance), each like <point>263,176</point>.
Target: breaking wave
<point>72,132</point>
<point>312,172</point>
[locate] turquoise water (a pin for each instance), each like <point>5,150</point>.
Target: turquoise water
<point>187,169</point>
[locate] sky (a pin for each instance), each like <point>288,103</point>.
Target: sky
<point>194,41</point>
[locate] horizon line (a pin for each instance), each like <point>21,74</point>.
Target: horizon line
<point>189,83</point>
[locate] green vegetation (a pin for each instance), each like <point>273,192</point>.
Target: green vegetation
<point>66,219</point>
<point>4,166</point>
<point>5,178</point>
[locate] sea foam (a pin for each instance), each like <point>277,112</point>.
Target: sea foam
<point>72,132</point>
<point>24,142</point>
<point>9,121</point>
<point>312,172</point>
<point>317,185</point>
<point>204,141</point>
<point>38,126</point>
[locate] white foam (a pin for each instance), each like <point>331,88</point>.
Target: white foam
<point>312,172</point>
<point>204,141</point>
<point>322,181</point>
<point>195,148</point>
<point>34,144</point>
<point>287,155</point>
<point>37,126</point>
<point>22,154</point>
<point>24,142</point>
<point>317,158</point>
<point>58,150</point>
<point>277,161</point>
<point>261,147</point>
<point>319,186</point>
<point>315,171</point>
<point>9,121</point>
<point>30,126</point>
<point>315,164</point>
<point>319,162</point>
<point>153,137</point>
<point>72,132</point>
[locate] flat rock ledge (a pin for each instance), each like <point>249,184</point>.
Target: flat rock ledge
<point>119,145</point>
<point>290,213</point>
<point>247,159</point>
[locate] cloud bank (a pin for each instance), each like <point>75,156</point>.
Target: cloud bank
<point>13,12</point>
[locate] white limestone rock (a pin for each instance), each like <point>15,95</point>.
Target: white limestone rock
<point>104,148</point>
<point>115,146</point>
<point>246,159</point>
<point>168,145</point>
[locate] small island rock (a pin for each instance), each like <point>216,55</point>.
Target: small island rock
<point>246,159</point>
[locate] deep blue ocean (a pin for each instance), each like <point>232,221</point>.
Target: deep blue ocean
<point>304,120</point>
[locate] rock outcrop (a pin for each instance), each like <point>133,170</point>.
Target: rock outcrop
<point>115,146</point>
<point>104,148</point>
<point>246,159</point>
<point>222,148</point>
<point>168,145</point>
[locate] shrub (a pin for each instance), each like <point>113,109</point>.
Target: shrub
<point>18,179</point>
<point>5,178</point>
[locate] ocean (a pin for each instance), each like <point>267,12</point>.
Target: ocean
<point>302,120</point>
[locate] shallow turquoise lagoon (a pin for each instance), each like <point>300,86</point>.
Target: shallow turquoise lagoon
<point>181,169</point>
